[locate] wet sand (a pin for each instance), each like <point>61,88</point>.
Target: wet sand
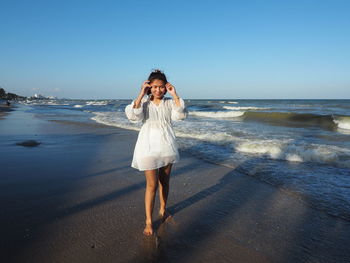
<point>4,109</point>
<point>75,198</point>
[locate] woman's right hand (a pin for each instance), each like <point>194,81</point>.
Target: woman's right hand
<point>145,87</point>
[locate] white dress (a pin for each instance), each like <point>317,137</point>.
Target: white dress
<point>156,143</point>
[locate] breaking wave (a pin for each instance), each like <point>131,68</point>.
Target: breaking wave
<point>217,114</point>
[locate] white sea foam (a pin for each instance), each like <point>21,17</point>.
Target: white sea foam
<point>217,114</point>
<point>97,103</point>
<point>78,106</point>
<point>55,103</point>
<point>43,103</point>
<point>116,119</point>
<point>222,101</point>
<point>220,138</point>
<point>244,108</point>
<point>273,148</point>
<point>286,150</point>
<point>293,158</point>
<point>342,122</point>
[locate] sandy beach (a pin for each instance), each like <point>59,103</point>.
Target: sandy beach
<point>75,198</point>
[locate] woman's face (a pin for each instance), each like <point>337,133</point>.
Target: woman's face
<point>158,88</point>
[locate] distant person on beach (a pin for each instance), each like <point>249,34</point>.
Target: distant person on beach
<point>8,103</point>
<point>156,148</point>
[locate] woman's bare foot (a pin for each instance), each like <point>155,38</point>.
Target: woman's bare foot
<point>148,231</point>
<point>164,215</point>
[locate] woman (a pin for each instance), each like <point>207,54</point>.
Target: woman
<point>156,148</point>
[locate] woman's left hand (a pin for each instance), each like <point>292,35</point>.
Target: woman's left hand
<point>171,89</point>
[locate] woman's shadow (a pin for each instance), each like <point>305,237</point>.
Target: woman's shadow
<point>167,244</point>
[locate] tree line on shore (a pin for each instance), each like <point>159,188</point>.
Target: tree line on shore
<point>10,96</point>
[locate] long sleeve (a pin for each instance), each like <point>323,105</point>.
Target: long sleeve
<point>178,112</point>
<point>134,114</point>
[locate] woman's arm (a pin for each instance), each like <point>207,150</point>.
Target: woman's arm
<point>178,110</point>
<point>171,89</point>
<point>134,114</point>
<point>144,88</point>
<point>134,111</point>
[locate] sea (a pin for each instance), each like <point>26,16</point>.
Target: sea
<point>300,146</point>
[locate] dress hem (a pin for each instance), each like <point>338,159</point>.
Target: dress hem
<point>142,170</point>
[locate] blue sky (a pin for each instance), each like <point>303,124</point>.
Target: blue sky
<point>208,49</point>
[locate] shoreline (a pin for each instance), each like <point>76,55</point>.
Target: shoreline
<point>75,198</point>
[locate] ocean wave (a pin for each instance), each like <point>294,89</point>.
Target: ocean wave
<point>217,114</point>
<point>116,119</point>
<point>292,119</point>
<point>43,103</point>
<point>289,119</point>
<point>96,103</point>
<point>281,149</point>
<point>78,106</point>
<point>222,101</point>
<point>287,150</point>
<point>244,108</point>
<point>273,148</point>
<point>219,138</point>
<point>343,122</point>
<point>56,103</point>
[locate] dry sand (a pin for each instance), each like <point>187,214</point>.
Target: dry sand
<point>75,198</point>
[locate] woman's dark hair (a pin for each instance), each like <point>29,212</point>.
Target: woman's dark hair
<point>157,74</point>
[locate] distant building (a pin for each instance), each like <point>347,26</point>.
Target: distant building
<point>38,96</point>
<point>41,97</point>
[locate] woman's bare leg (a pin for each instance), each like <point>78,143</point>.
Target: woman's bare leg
<point>163,183</point>
<point>151,189</point>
